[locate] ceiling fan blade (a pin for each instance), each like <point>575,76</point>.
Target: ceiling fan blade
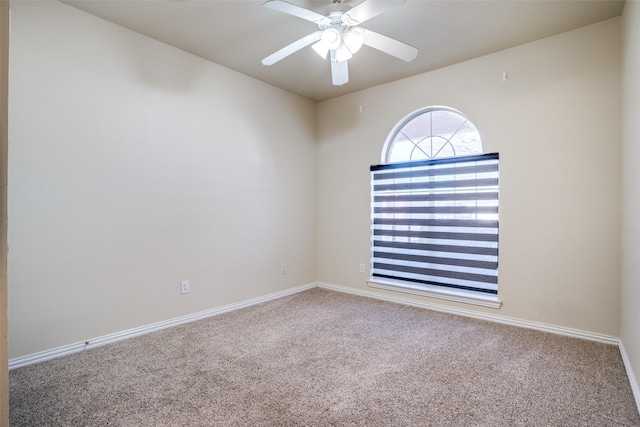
<point>390,46</point>
<point>339,73</point>
<point>300,12</point>
<point>292,48</point>
<point>370,8</point>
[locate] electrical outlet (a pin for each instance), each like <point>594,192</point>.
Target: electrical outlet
<point>184,287</point>
<point>362,267</point>
<point>284,269</point>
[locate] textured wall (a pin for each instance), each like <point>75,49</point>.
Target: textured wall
<point>4,81</point>
<point>135,165</point>
<point>630,295</point>
<point>556,125</point>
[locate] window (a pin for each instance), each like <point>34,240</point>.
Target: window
<point>434,208</point>
<point>431,133</point>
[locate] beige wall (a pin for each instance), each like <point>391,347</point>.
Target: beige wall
<point>135,165</point>
<point>127,176</point>
<point>4,80</point>
<point>556,125</point>
<point>630,295</point>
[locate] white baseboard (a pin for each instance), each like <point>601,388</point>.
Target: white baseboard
<point>119,336</point>
<point>130,333</point>
<point>632,378</point>
<point>575,333</point>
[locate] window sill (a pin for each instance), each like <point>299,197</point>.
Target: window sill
<point>467,297</point>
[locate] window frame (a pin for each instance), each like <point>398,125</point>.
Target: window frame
<point>435,290</point>
<point>388,145</point>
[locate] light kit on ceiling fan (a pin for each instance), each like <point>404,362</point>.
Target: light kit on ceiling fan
<point>343,44</point>
<point>338,35</point>
<point>331,38</point>
<point>341,54</point>
<point>353,38</point>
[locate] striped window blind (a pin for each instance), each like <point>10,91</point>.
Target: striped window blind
<point>435,222</point>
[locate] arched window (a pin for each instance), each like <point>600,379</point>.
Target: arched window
<point>434,210</point>
<point>429,133</point>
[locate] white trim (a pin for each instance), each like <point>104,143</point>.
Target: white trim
<point>119,336</point>
<point>406,119</point>
<point>437,292</point>
<point>42,356</point>
<point>632,378</point>
<point>559,330</point>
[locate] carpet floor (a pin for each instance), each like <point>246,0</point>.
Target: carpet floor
<point>323,358</point>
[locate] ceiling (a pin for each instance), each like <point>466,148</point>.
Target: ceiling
<point>239,33</point>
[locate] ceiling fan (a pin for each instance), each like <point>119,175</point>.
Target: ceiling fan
<point>339,36</point>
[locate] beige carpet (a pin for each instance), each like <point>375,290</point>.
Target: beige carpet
<point>322,358</point>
